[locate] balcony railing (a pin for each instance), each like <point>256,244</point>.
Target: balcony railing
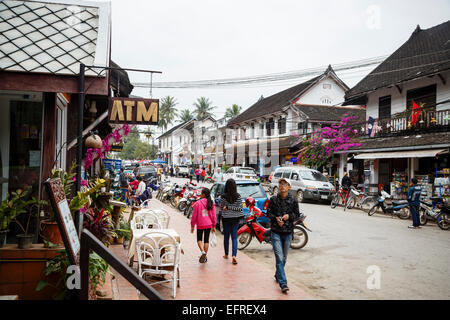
<point>428,121</point>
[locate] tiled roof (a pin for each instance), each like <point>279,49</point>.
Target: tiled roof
<point>427,141</point>
<point>425,53</point>
<point>53,37</point>
<point>278,101</point>
<point>173,129</point>
<point>273,103</point>
<point>329,113</point>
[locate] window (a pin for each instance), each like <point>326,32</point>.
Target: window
<point>213,190</point>
<point>312,176</point>
<point>180,140</point>
<point>220,188</point>
<point>294,176</point>
<point>251,190</point>
<point>230,170</point>
<point>384,107</point>
<point>287,174</point>
<point>425,95</point>
<point>270,125</point>
<point>302,127</point>
<point>327,86</point>
<point>252,132</point>
<point>278,174</point>
<point>282,126</point>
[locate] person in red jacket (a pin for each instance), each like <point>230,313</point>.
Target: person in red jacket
<point>203,174</point>
<point>204,216</point>
<point>134,184</point>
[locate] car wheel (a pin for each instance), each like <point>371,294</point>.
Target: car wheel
<point>300,198</point>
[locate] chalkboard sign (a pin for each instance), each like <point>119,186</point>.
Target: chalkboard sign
<point>64,218</point>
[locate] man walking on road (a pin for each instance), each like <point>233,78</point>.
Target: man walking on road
<point>282,211</point>
<point>414,203</point>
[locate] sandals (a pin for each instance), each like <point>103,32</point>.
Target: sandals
<point>234,260</point>
<point>202,258</point>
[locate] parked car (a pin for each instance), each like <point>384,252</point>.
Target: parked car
<point>184,171</point>
<point>146,172</point>
<point>240,173</point>
<point>246,188</point>
<point>306,183</point>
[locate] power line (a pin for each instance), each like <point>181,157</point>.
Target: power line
<point>264,78</point>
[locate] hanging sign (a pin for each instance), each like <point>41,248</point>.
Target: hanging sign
<point>133,111</point>
<point>64,218</point>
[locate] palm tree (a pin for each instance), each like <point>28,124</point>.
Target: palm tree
<point>233,111</point>
<point>167,112</point>
<point>203,108</point>
<point>186,115</point>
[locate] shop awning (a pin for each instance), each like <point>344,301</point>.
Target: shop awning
<point>402,154</point>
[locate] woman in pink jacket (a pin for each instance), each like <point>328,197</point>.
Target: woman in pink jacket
<point>204,216</point>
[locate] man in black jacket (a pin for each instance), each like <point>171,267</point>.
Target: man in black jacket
<point>282,212</point>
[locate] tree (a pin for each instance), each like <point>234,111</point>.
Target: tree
<point>167,112</point>
<point>203,108</point>
<point>233,111</point>
<point>134,148</point>
<point>318,150</point>
<point>186,115</point>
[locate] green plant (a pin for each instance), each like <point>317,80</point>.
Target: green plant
<point>13,205</point>
<point>67,178</point>
<point>58,265</point>
<point>124,230</point>
<point>28,208</point>
<point>82,198</point>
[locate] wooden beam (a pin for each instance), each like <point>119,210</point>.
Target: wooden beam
<point>21,81</point>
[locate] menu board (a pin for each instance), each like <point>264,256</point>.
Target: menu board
<point>64,217</point>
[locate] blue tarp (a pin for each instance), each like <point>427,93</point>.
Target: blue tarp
<point>158,161</point>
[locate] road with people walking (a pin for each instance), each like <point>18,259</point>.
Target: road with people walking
<point>353,256</point>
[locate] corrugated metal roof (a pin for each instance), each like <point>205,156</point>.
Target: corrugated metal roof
<point>53,37</point>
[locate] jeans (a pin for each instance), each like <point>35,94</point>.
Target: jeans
<point>230,229</point>
<point>281,244</point>
<point>415,215</point>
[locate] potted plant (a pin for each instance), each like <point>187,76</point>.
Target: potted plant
<point>12,206</point>
<point>25,240</point>
<point>123,233</point>
<point>99,223</point>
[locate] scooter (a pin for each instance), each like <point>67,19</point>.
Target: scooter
<point>429,211</point>
<point>195,196</point>
<point>398,208</point>
<point>185,201</point>
<point>253,229</point>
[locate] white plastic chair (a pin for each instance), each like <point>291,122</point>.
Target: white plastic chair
<point>159,257</point>
<point>149,220</point>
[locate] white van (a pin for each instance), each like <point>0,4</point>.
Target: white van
<point>306,183</point>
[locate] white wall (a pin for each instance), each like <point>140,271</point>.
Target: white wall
<point>398,100</point>
<point>317,92</point>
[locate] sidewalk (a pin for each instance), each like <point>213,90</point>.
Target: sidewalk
<point>218,279</point>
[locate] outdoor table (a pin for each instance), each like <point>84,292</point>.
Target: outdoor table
<point>137,233</point>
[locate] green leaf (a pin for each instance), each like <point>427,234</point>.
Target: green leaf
<point>41,285</point>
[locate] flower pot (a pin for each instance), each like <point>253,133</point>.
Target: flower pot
<point>25,240</point>
<point>50,233</point>
<point>119,240</point>
<point>3,234</point>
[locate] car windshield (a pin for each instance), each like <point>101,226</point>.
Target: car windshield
<point>146,170</point>
<point>250,190</point>
<point>312,176</point>
<point>246,171</point>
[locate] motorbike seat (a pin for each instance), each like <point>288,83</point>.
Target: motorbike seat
<point>399,202</point>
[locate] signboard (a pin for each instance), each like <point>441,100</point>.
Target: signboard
<point>64,218</point>
<point>133,111</point>
<point>113,165</point>
<point>117,147</point>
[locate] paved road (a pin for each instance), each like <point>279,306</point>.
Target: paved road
<point>413,264</point>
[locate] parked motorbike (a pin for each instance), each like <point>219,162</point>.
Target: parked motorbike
<point>443,219</point>
<point>184,201</point>
<point>398,208</point>
<point>194,197</point>
<point>253,229</point>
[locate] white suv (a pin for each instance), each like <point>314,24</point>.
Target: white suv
<point>184,171</point>
<point>240,173</point>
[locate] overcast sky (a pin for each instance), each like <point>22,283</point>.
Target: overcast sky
<point>213,39</point>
